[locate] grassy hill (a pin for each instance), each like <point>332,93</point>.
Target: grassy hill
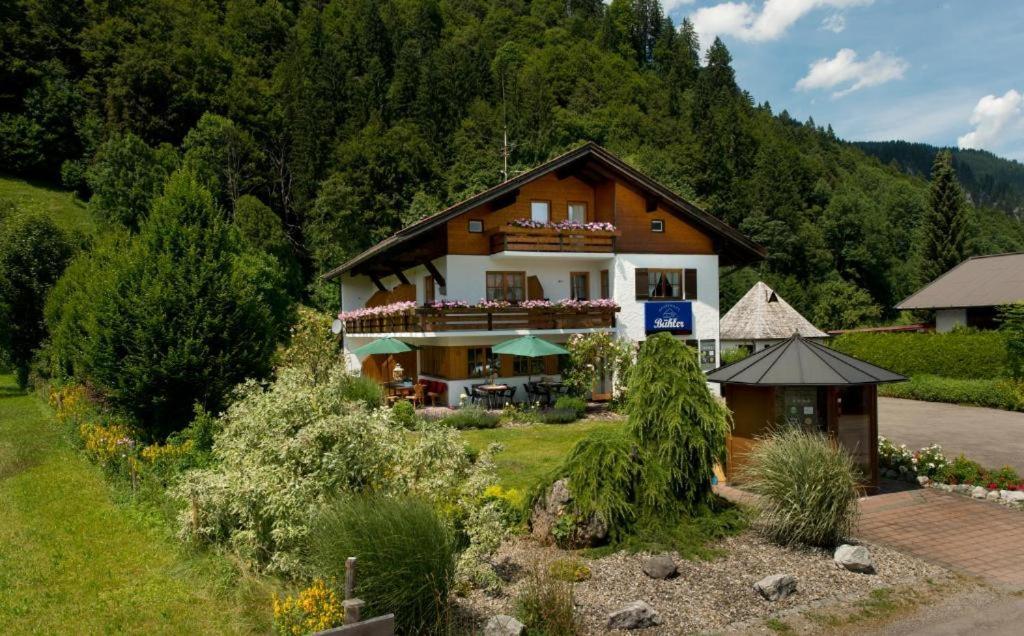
<point>63,206</point>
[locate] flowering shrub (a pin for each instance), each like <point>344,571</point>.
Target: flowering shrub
<point>596,355</point>
<point>392,309</point>
<point>283,451</point>
<point>930,462</point>
<point>108,444</point>
<point>71,404</point>
<point>894,457</point>
<point>563,225</point>
<point>314,609</point>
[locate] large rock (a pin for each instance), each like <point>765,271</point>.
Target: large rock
<point>586,532</point>
<point>854,558</point>
<point>635,615</point>
<point>979,492</point>
<point>922,480</point>
<point>993,495</point>
<point>1012,495</point>
<point>660,566</point>
<point>776,587</point>
<point>503,625</point>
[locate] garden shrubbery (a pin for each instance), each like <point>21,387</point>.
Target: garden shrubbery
<point>931,462</point>
<point>471,417</point>
<point>575,404</point>
<point>960,354</point>
<point>997,394</point>
<point>406,556</point>
<point>660,465</point>
<point>558,416</point>
<point>807,486</point>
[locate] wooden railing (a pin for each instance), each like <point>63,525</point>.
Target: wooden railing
<point>428,319</point>
<point>526,239</point>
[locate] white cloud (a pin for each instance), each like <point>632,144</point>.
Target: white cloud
<point>996,120</point>
<point>846,69</point>
<point>836,23</point>
<point>671,5</point>
<point>743,20</point>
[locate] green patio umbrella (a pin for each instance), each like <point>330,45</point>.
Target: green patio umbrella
<point>382,346</point>
<point>529,347</point>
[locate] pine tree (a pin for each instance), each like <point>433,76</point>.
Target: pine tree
<point>946,223</point>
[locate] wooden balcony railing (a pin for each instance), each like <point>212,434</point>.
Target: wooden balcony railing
<point>429,319</point>
<point>526,239</point>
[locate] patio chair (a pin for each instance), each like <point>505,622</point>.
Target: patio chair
<point>434,392</point>
<point>416,397</point>
<point>476,395</point>
<point>509,395</point>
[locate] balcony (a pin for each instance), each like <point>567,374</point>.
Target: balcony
<point>514,238</point>
<point>456,319</point>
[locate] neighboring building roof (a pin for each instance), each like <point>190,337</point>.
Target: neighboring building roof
<point>737,248</point>
<point>800,362</point>
<point>917,327</point>
<point>763,315</point>
<point>980,281</point>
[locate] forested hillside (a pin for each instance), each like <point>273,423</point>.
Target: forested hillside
<point>991,181</point>
<point>350,118</point>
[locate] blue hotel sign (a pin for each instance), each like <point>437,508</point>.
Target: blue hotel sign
<point>675,317</point>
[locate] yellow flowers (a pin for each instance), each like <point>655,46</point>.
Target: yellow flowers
<point>511,496</point>
<point>106,443</point>
<point>315,609</point>
<point>71,403</point>
<point>155,453</point>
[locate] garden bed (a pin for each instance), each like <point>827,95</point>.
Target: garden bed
<point>706,595</point>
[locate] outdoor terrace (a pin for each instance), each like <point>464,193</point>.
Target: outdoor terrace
<point>564,237</point>
<point>532,315</point>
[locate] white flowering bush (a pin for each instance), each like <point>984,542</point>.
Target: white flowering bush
<point>892,456</point>
<point>286,449</point>
<point>929,461</point>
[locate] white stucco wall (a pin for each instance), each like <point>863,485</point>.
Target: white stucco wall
<point>947,319</point>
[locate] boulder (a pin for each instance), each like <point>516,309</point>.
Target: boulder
<point>979,492</point>
<point>503,625</point>
<point>776,587</point>
<point>1012,495</point>
<point>993,495</point>
<point>635,615</point>
<point>587,532</point>
<point>922,480</point>
<point>660,566</point>
<point>854,558</point>
<point>889,473</point>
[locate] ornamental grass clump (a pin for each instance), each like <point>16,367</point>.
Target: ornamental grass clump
<point>807,486</point>
<point>406,557</point>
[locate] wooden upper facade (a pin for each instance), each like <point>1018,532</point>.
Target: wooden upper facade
<point>588,184</point>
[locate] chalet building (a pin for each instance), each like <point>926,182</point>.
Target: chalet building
<point>970,294</point>
<point>582,243</point>
<point>762,318</point>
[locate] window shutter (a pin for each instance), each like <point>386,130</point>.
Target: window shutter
<point>691,284</point>
<point>641,284</point>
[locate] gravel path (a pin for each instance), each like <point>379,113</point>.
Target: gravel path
<point>707,595</point>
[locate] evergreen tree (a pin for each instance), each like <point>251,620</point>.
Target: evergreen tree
<point>946,224</point>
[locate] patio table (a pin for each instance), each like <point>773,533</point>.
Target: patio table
<point>492,391</point>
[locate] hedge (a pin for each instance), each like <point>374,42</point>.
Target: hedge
<point>997,394</point>
<point>966,355</point>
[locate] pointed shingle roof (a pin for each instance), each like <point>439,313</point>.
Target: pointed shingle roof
<point>799,362</point>
<point>763,315</point>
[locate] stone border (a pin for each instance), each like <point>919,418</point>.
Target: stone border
<point>1013,499</point>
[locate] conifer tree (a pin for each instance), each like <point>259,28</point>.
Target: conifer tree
<point>946,223</point>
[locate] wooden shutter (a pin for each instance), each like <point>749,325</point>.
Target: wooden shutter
<point>534,290</point>
<point>691,283</point>
<point>641,284</point>
<point>605,287</point>
<point>428,290</point>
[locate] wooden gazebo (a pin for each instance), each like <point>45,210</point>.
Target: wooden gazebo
<point>799,382</point>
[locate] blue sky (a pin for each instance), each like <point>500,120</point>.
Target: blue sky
<point>942,72</point>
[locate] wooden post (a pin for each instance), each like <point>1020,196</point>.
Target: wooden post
<point>352,606</point>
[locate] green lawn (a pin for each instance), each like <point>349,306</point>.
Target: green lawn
<point>62,206</point>
<point>531,452</point>
<point>71,560</point>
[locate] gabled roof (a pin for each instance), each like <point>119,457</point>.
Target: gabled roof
<point>799,362</point>
<point>734,247</point>
<point>763,315</point>
<point>980,281</point>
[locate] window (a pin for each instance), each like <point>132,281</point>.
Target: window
<point>480,362</point>
<point>510,286</point>
<point>527,366</point>
<point>579,285</point>
<point>606,291</point>
<point>657,225</point>
<point>577,212</point>
<point>476,226</point>
<point>666,284</point>
<point>540,211</point>
<point>428,290</point>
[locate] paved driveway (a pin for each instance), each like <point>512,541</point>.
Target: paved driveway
<point>991,437</point>
<point>980,538</point>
